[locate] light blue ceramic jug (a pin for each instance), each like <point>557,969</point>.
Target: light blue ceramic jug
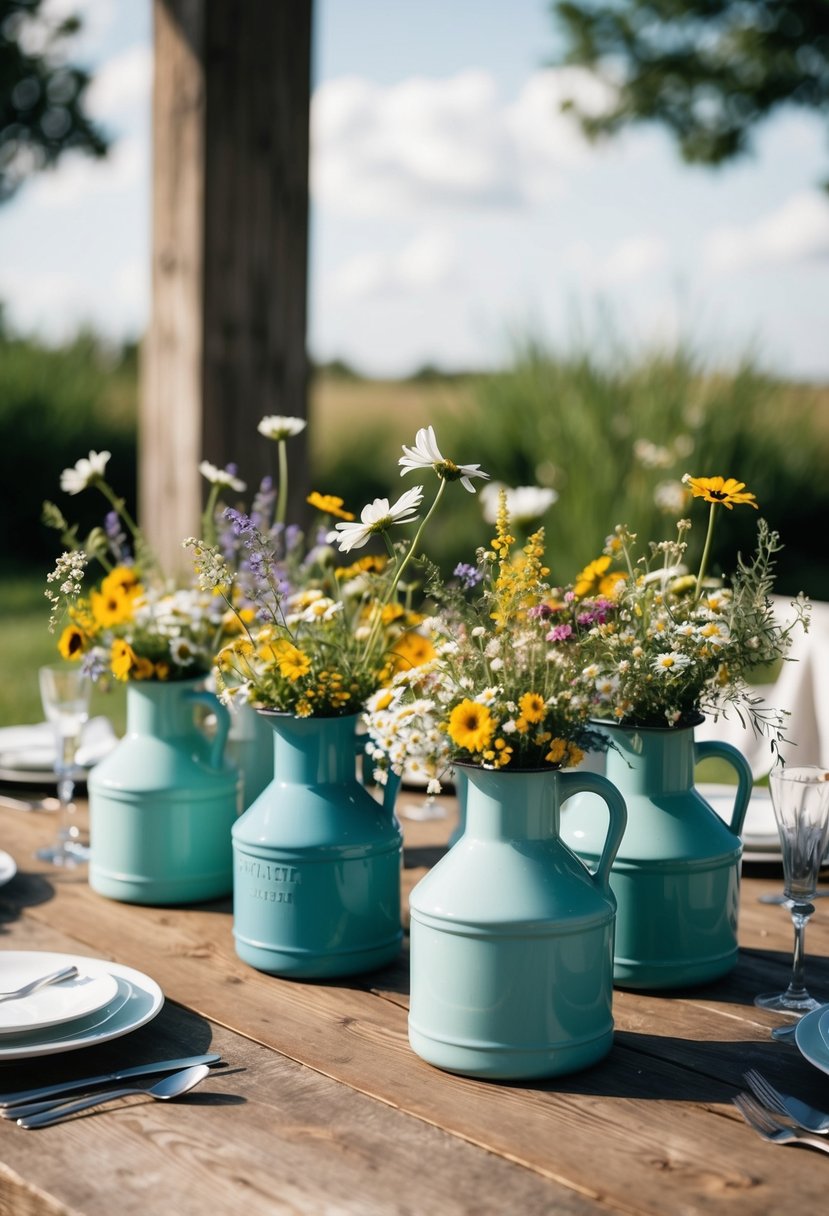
<point>162,803</point>
<point>512,937</point>
<point>317,860</point>
<point>250,747</point>
<point>676,876</point>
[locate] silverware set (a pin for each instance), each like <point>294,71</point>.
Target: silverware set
<point>781,1118</point>
<point>41,1107</point>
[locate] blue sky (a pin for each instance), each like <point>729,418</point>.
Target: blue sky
<point>453,207</point>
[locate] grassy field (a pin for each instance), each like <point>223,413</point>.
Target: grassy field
<point>27,645</point>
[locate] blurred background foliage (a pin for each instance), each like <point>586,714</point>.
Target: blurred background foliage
<point>608,429</point>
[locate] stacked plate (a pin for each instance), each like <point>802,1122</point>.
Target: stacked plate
<point>761,841</point>
<point>28,753</point>
<point>8,868</point>
<point>812,1037</point>
<point>104,1001</point>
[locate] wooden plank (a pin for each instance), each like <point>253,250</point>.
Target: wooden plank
<point>659,1104</point>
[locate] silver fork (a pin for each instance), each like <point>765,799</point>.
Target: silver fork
<point>767,1126</point>
<point>805,1116</point>
<point>55,977</point>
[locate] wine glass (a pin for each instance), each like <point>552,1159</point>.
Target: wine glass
<point>800,797</point>
<point>65,693</point>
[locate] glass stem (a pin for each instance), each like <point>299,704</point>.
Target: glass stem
<point>800,917</point>
<point>67,829</point>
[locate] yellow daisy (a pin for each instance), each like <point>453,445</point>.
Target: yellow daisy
<point>471,726</point>
<point>532,707</point>
<point>725,491</point>
<point>589,579</point>
<point>329,504</point>
<point>72,642</point>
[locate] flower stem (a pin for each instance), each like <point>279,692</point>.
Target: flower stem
<point>410,552</point>
<point>118,504</point>
<point>208,521</point>
<point>282,500</point>
<point>703,565</point>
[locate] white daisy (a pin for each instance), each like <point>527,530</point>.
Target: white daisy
<point>222,477</point>
<point>670,662</point>
<point>427,455</point>
<point>524,503</point>
<point>376,517</point>
<point>276,426</point>
<point>182,651</point>
<point>72,481</point>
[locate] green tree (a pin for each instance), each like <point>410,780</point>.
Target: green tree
<point>41,94</point>
<point>708,70</point>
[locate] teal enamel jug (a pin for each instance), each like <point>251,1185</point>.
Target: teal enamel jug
<point>676,876</point>
<point>250,748</point>
<point>317,859</point>
<point>512,936</point>
<point>162,803</point>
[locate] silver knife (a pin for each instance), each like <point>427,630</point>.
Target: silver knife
<point>49,1091</point>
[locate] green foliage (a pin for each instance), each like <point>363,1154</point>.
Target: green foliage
<point>708,70</point>
<point>42,112</point>
<point>55,406</point>
<point>606,433</point>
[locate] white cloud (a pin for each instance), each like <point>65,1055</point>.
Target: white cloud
<point>634,259</point>
<point>796,232</point>
<point>445,142</point>
<point>79,177</point>
<point>124,82</point>
<point>53,304</point>
<point>631,259</point>
<point>427,263</point>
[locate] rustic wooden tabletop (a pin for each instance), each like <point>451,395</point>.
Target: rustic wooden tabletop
<point>323,1107</point>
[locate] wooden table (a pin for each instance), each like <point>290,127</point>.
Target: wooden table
<point>325,1109</point>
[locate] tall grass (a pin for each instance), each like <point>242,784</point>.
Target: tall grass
<point>607,432</point>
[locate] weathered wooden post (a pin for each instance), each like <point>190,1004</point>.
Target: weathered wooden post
<point>226,341</point>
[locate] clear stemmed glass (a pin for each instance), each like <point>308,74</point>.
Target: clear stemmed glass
<point>800,797</point>
<point>65,693</point>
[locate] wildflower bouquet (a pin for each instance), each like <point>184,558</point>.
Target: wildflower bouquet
<point>660,646</point>
<point>497,693</point>
<point>133,624</point>
<point>322,648</point>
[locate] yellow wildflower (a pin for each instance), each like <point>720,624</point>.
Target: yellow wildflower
<point>532,707</point>
<point>122,659</point>
<point>471,726</point>
<point>112,607</point>
<point>330,504</point>
<point>72,643</point>
<point>726,492</point>
<point>588,580</point>
<point>557,752</point>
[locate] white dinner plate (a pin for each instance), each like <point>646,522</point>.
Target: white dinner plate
<point>52,1006</point>
<point>138,1000</point>
<point>8,868</point>
<point>810,1039</point>
<point>759,834</point>
<point>28,753</point>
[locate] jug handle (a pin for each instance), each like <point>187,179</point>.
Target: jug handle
<point>393,780</point>
<point>745,778</point>
<point>203,697</point>
<point>593,783</point>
